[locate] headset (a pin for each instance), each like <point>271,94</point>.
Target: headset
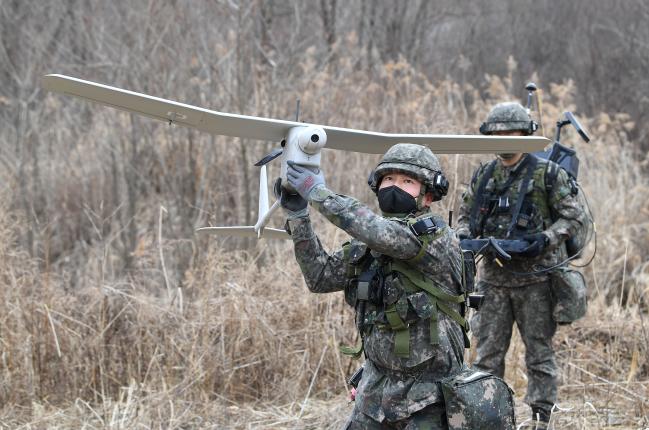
<point>440,186</point>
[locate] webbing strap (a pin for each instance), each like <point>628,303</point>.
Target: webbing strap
<point>479,199</point>
<point>439,298</point>
<point>482,197</point>
<point>551,173</point>
<point>424,246</point>
<point>401,332</point>
<point>434,318</point>
<point>418,279</point>
<point>502,189</point>
<point>531,166</point>
<point>425,238</point>
<point>353,351</point>
<point>454,315</point>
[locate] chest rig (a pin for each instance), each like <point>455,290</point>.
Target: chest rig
<point>390,294</point>
<point>506,211</point>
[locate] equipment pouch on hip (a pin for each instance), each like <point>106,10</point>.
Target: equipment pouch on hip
<point>478,401</point>
<point>569,301</point>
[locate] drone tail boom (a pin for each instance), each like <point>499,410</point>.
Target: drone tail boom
<point>259,230</point>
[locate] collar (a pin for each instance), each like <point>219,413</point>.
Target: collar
<point>406,216</point>
<point>516,168</point>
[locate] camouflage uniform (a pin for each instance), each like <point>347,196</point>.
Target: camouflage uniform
<point>397,390</point>
<point>511,294</point>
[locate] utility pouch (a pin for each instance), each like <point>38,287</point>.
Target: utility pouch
<point>468,260</point>
<point>478,401</point>
<point>369,287</point>
<point>523,221</point>
<point>569,298</point>
<point>472,300</point>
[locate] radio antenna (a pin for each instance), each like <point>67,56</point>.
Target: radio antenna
<point>297,111</point>
<point>531,90</point>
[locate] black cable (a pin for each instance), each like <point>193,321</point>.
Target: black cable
<point>593,234</point>
<point>569,259</point>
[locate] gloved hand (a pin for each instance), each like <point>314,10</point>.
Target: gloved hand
<point>292,203</point>
<point>538,242</point>
<point>303,179</point>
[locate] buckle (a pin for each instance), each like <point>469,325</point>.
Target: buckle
<point>423,226</point>
<point>363,290</point>
<point>503,204</point>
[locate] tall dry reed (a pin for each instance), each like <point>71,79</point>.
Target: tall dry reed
<point>124,318</point>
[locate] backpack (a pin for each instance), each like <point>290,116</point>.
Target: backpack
<point>566,159</point>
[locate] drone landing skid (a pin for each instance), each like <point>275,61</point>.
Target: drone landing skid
<point>245,231</point>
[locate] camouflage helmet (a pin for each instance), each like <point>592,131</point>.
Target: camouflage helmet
<point>415,160</point>
<point>508,116</point>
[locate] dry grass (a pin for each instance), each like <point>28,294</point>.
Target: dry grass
<point>226,336</point>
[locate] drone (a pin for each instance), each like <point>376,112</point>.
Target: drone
<point>300,142</point>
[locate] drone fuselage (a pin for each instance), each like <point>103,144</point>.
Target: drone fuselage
<point>303,145</point>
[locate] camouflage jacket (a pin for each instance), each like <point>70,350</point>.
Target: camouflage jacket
<point>393,387</point>
<point>553,210</point>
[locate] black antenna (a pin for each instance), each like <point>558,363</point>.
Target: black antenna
<point>297,111</point>
<point>531,89</point>
<point>450,218</point>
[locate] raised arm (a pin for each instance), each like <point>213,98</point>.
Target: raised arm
<point>384,235</point>
<point>380,234</point>
<point>322,272</point>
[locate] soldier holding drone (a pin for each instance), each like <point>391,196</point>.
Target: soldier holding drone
<point>403,273</point>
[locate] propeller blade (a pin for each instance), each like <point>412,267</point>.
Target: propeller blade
<point>270,157</point>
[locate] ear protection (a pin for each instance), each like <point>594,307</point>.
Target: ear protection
<point>440,187</point>
<point>531,127</point>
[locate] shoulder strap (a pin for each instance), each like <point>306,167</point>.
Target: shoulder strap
<point>478,195</point>
<point>427,229</point>
<point>531,166</point>
<point>551,173</point>
<point>440,298</point>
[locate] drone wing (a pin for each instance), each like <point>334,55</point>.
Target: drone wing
<point>266,129</point>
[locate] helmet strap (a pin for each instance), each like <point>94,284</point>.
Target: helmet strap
<point>420,199</point>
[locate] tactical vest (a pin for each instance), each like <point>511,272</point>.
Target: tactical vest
<point>506,211</point>
<point>390,294</point>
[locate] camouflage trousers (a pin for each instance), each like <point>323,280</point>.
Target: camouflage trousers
<point>530,307</point>
<point>432,417</point>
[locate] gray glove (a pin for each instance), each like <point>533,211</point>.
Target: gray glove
<point>538,242</point>
<point>303,179</point>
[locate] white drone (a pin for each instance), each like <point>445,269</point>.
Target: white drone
<point>300,142</point>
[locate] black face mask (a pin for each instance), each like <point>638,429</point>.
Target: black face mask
<point>394,200</point>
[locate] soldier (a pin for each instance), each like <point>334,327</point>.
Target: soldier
<point>401,272</point>
<point>519,196</point>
